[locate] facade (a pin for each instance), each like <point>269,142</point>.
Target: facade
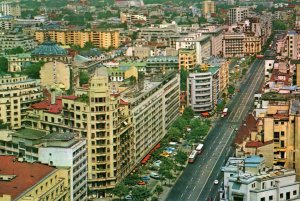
<point>10,8</point>
<point>161,64</point>
<point>16,95</point>
<point>34,181</point>
<point>216,37</point>
<point>200,88</point>
<point>10,40</point>
<point>63,150</point>
<point>233,45</point>
<point>6,23</point>
<point>238,14</point>
<point>198,42</point>
<point>17,61</point>
<point>187,59</point>
<point>209,7</point>
<point>252,45</point>
<point>249,179</point>
<point>292,45</point>
<point>99,38</point>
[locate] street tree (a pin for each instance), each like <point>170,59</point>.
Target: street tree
<point>158,190</point>
<point>140,193</point>
<point>181,157</point>
<point>188,113</point>
<point>3,65</point>
<point>180,123</point>
<point>120,190</point>
<point>83,77</point>
<point>33,70</point>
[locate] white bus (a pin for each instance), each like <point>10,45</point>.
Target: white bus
<point>225,112</point>
<point>192,156</point>
<point>199,148</point>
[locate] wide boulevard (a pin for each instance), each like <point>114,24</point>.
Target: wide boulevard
<point>197,180</point>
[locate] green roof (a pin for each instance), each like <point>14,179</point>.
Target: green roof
<point>49,48</point>
<point>213,69</point>
<point>236,186</point>
<point>30,134</point>
<point>163,59</point>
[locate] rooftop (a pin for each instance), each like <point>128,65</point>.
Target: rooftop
<point>162,59</point>
<point>30,134</point>
<point>49,48</point>
<point>26,175</point>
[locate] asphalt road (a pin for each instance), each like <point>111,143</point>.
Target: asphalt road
<point>197,180</point>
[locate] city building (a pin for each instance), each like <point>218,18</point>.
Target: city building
<point>10,8</point>
<point>292,45</point>
<point>161,64</point>
<point>216,37</point>
<point>187,59</point>
<point>13,39</point>
<point>55,149</point>
<point>17,93</point>
<point>99,38</point>
<point>209,7</point>
<point>64,150</point>
<point>249,179</point>
<point>198,42</point>
<point>17,61</point>
<point>22,180</point>
<point>233,45</point>
<point>238,14</point>
<point>252,45</point>
<point>49,51</point>
<point>6,23</point>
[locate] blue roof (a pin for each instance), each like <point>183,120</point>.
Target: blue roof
<point>49,48</point>
<point>253,159</point>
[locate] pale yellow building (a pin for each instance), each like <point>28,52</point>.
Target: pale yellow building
<point>252,45</point>
<point>99,38</point>
<point>16,94</point>
<point>23,181</point>
<point>209,7</point>
<point>187,59</point>
<point>55,72</point>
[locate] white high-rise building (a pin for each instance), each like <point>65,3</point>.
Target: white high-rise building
<point>10,8</point>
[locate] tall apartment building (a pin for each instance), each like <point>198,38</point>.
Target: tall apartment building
<point>233,45</point>
<point>10,8</point>
<point>99,38</point>
<point>249,179</point>
<point>16,95</point>
<point>198,42</point>
<point>216,37</point>
<point>20,180</point>
<point>238,14</point>
<point>10,40</point>
<point>292,45</point>
<point>187,59</point>
<point>116,137</point>
<point>209,7</point>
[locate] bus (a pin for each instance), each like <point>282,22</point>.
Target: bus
<point>192,156</point>
<point>260,56</point>
<point>225,112</point>
<point>199,148</point>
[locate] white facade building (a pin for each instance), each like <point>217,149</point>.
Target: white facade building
<point>63,150</point>
<point>10,8</point>
<point>238,14</point>
<point>198,42</point>
<point>247,179</point>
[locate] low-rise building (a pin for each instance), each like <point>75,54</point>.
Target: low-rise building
<point>161,64</point>
<point>233,45</point>
<point>10,40</point>
<point>249,179</point>
<point>187,59</point>
<point>21,180</point>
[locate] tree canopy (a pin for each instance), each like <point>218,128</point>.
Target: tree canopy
<point>33,71</point>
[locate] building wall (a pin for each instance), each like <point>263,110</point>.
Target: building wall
<point>209,7</point>
<point>101,39</point>
<point>187,59</point>
<point>10,40</point>
<point>233,45</point>
<point>55,72</point>
<point>16,94</point>
<point>252,45</point>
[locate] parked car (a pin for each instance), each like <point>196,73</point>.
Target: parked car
<point>157,163</point>
<point>145,178</point>
<point>216,182</point>
<point>142,183</point>
<point>154,175</point>
<point>128,197</point>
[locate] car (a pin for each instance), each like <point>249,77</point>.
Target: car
<point>145,178</point>
<point>157,163</point>
<point>128,197</point>
<point>154,175</point>
<point>142,183</point>
<point>216,182</point>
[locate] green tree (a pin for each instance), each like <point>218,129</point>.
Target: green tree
<point>88,16</point>
<point>231,89</point>
<point>120,190</point>
<point>132,179</point>
<point>158,190</point>
<point>83,77</point>
<point>181,157</point>
<point>188,113</point>
<point>3,65</point>
<point>174,134</point>
<point>202,20</point>
<point>180,123</point>
<point>16,50</point>
<point>33,71</point>
<point>183,79</point>
<point>279,25</point>
<point>88,45</point>
<point>140,193</point>
<point>3,125</point>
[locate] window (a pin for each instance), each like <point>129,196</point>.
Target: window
<point>271,197</point>
<point>263,185</point>
<point>281,195</point>
<point>262,199</point>
<point>295,192</point>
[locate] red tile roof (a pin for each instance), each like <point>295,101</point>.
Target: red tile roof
<point>245,130</point>
<point>258,143</point>
<point>123,102</point>
<point>51,108</point>
<point>27,175</point>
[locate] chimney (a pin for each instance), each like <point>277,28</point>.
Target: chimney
<point>53,96</point>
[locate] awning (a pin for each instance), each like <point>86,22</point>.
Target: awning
<point>155,148</point>
<point>205,114</point>
<point>147,157</point>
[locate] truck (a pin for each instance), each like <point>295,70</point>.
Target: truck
<point>225,112</point>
